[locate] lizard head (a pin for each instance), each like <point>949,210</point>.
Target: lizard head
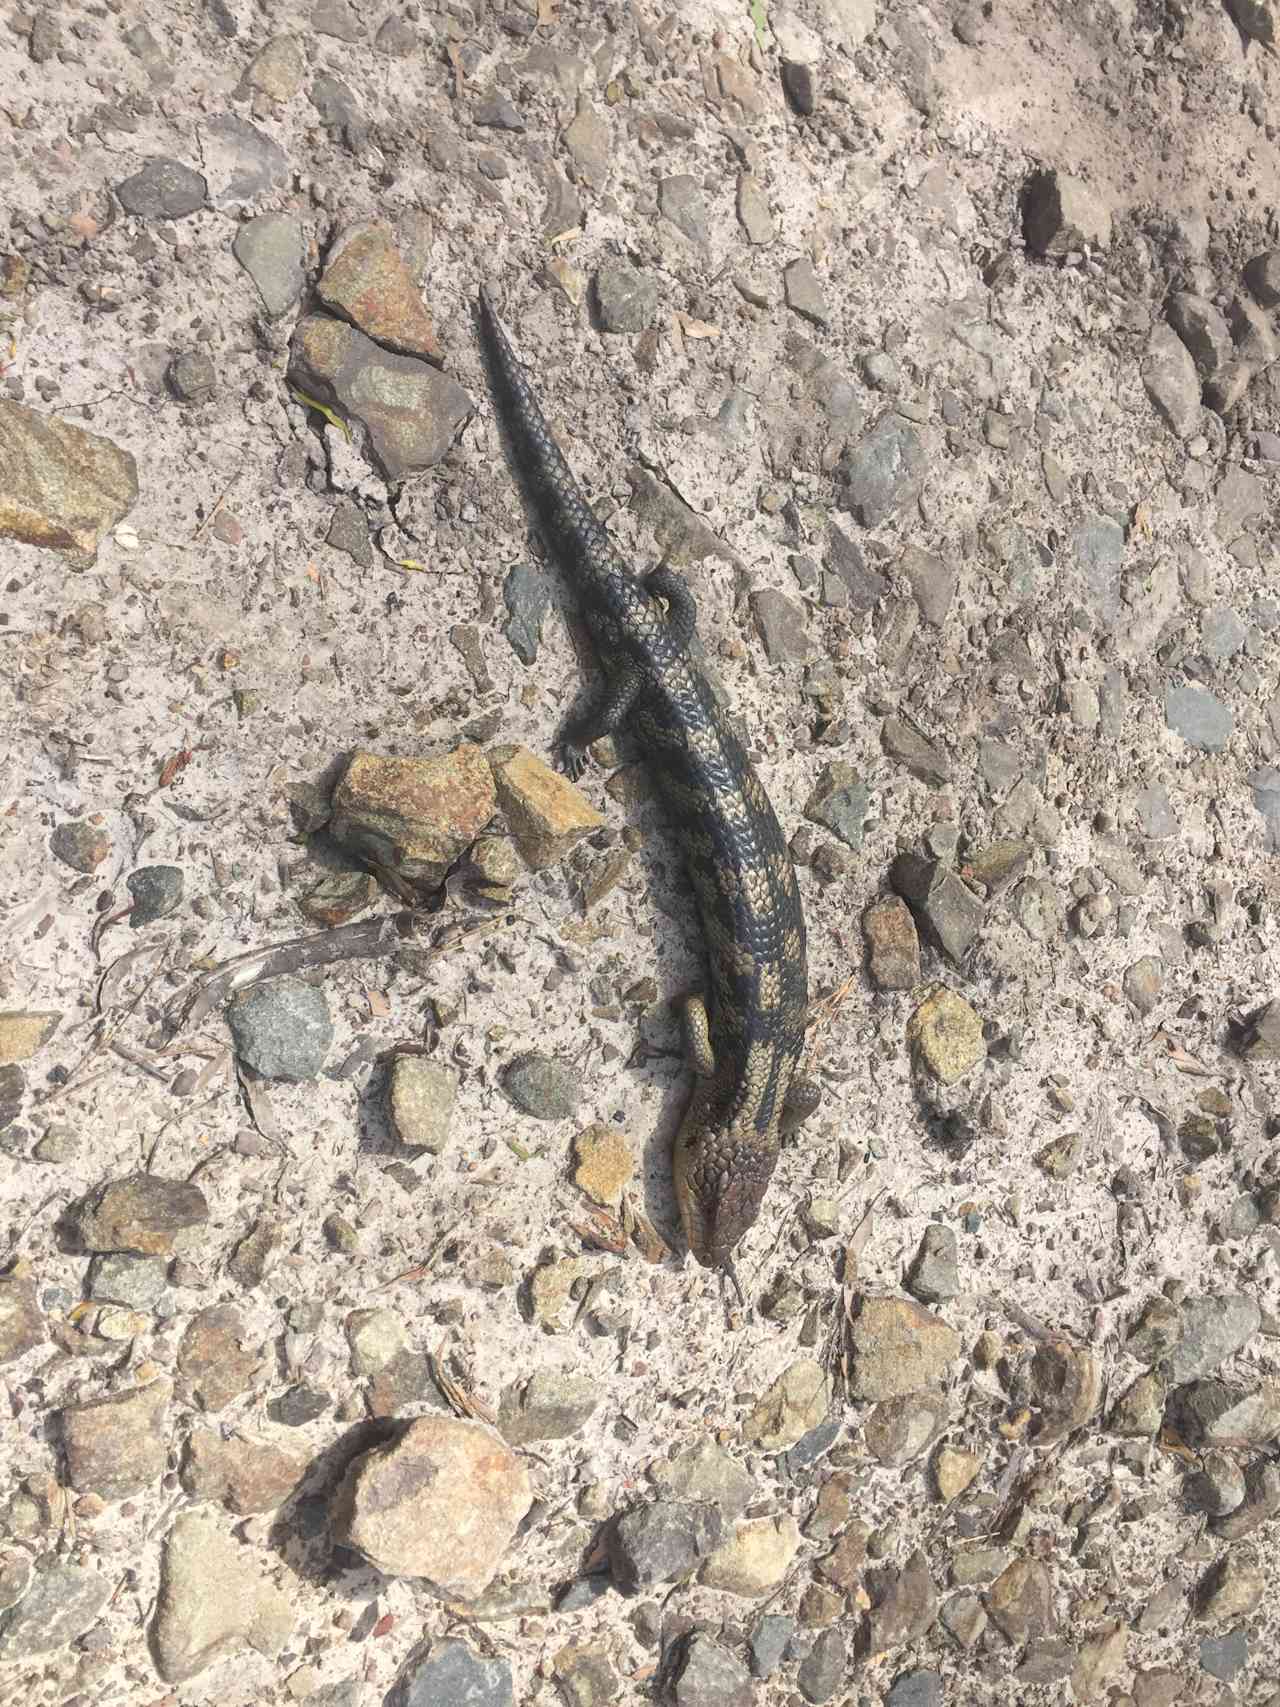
<point>721,1176</point>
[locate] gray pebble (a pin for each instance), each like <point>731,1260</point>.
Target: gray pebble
<point>769,1642</point>
<point>1200,717</point>
<point>885,471</point>
<point>118,1278</point>
<point>156,891</point>
<point>163,189</point>
<point>1224,1657</point>
<point>271,250</point>
<point>527,593</point>
<point>545,1088</point>
<point>915,1689</point>
<point>282,1029</point>
<point>627,299</point>
<point>452,1674</point>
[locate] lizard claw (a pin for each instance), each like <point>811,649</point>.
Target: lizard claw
<point>573,760</point>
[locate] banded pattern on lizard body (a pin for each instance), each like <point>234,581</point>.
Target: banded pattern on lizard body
<point>746,1034</point>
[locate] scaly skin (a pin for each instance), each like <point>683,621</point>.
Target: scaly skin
<point>747,1033</point>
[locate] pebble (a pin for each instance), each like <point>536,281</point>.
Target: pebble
<point>1047,1660</point>
<point>1143,982</point>
<point>950,914</point>
<point>442,1501</point>
<point>954,1471</point>
<point>13,1085</point>
<point>754,213</point>
<point>61,1603</point>
<point>271,249</point>
<point>410,411</point>
<point>964,1618</point>
<point>163,189</point>
<point>585,1676</point>
<point>63,488</point>
<point>336,104</point>
<point>780,623</point>
<point>299,1405</point>
<point>452,1674</point>
<point>1200,717</point>
<point>157,892</point>
<point>934,1275</point>
<point>680,199</point>
<point>1098,543</point>
<point>214,1599</point>
<point>367,282</point>
<point>626,298</point>
<point>337,18</point>
<point>217,1357</point>
<point>1217,1487</point>
<point>915,1689</point>
<point>22,1326</point>
<point>914,752</point>
<point>550,1405</point>
<point>117,1446</point>
<point>542,1087</point>
<point>278,70</point>
<point>24,1034</point>
<point>1139,1411</point>
<point>885,471</point>
<point>769,1642</point>
<point>1061,214</point>
<point>416,816</point>
<point>1262,272</point>
<point>192,376</point>
<point>527,594</point>
<point>664,1541</point>
<point>282,1029</point>
<point>893,945</point>
<point>1020,1601</point>
<point>932,582</point>
<point>1172,383</point>
<point>1212,1329</point>
<point>709,1676</point>
<point>904,1604</point>
<point>143,1213</point>
<point>823,1667</point>
<point>946,1035</point>
<point>803,291</point>
<point>1225,1657</point>
<point>1065,1388</point>
<point>839,802</point>
<point>546,814</point>
<point>797,1401</point>
<point>755,1559</point>
<point>800,87</point>
<point>1214,1413</point>
<point>900,1430</point>
<point>604,1164</point>
<point>1231,1588</point>
<point>897,1348</point>
<point>421,1093</point>
<point>243,1473</point>
<point>705,1472</point>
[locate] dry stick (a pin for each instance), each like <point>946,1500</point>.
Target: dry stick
<point>364,940</point>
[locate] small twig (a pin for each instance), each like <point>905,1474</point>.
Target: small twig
<point>365,939</point>
<point>123,1051</point>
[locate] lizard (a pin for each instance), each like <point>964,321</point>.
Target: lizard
<point>744,1035</point>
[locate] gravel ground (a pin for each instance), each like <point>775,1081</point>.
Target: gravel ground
<point>348,1352</point>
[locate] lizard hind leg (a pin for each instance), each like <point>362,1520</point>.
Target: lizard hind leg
<point>697,1036</point>
<point>801,1099</point>
<point>682,607</point>
<point>607,715</point>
